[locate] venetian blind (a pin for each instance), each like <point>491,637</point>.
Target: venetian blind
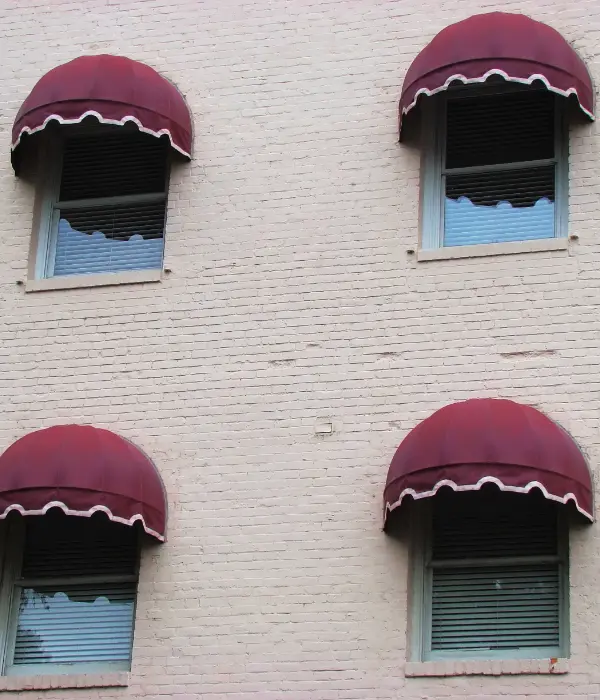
<point>77,592</point>
<point>495,574</point>
<point>500,168</point>
<point>112,204</point>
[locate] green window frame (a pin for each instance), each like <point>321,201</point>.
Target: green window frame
<point>489,590</point>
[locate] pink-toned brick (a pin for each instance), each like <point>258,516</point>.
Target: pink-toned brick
<point>292,302</point>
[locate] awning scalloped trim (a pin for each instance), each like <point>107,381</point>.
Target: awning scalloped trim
<point>103,120</point>
<point>527,488</point>
<point>17,507</point>
<point>428,92</point>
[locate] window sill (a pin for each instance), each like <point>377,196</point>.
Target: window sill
<point>76,680</point>
<point>480,667</point>
<point>485,249</point>
<point>100,280</point>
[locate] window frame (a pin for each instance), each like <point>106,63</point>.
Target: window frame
<point>433,138</point>
<point>50,162</point>
<point>420,614</point>
<point>12,543</point>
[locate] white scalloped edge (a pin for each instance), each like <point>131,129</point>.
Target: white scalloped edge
<point>389,507</point>
<point>502,74</point>
<point>102,120</point>
<point>83,514</point>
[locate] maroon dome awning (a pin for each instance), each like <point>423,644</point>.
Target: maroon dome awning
<point>513,46</point>
<point>82,470</point>
<point>115,90</point>
<point>466,445</point>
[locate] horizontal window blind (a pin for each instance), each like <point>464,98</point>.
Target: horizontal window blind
<point>495,574</point>
<point>113,165</point>
<point>110,239</point>
<point>111,211</point>
<point>499,207</point>
<point>491,523</point>
<point>76,592</point>
<point>492,607</point>
<point>70,624</point>
<point>502,128</point>
<point>59,545</point>
<point>500,168</point>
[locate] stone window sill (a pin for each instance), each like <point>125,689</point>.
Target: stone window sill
<point>76,680</point>
<point>100,280</point>
<point>476,251</point>
<point>477,667</point>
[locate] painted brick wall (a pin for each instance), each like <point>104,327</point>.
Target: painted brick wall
<point>292,300</point>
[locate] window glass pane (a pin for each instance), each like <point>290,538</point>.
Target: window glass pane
<point>502,128</point>
<point>64,616</point>
<point>60,545</point>
<point>128,232</point>
<point>490,523</point>
<point>499,206</point>
<point>478,604</point>
<point>110,239</point>
<point>71,624</point>
<point>113,164</point>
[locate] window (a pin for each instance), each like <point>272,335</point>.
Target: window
<point>496,169</point>
<point>491,578</point>
<point>68,594</point>
<point>104,204</point>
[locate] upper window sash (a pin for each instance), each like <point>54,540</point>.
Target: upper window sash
<point>434,172</point>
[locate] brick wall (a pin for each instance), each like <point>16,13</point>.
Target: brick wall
<point>292,301</point>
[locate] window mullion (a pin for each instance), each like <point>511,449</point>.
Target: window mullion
<point>110,201</point>
<point>499,167</point>
<point>72,580</point>
<point>491,561</point>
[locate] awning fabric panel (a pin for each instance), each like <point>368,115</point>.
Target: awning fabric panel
<point>512,46</point>
<point>113,89</point>
<point>468,444</point>
<point>82,470</point>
